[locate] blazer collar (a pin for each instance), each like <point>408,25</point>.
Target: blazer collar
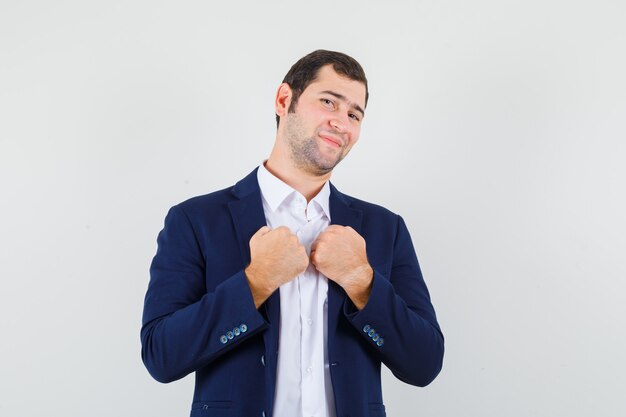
<point>248,215</point>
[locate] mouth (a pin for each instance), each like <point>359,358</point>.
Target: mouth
<point>332,141</point>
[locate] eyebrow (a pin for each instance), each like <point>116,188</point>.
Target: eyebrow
<point>343,98</point>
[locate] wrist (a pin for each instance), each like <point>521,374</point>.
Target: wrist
<point>260,292</point>
<point>361,289</point>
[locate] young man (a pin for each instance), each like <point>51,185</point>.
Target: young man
<point>283,294</point>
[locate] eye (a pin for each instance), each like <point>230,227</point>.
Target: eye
<point>354,117</point>
<point>328,103</point>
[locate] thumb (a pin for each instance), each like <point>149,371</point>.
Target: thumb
<point>262,231</point>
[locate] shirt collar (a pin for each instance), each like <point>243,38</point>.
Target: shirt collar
<point>275,191</point>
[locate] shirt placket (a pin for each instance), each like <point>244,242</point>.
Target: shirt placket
<point>311,339</point>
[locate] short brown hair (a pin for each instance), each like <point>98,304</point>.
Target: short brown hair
<point>305,71</point>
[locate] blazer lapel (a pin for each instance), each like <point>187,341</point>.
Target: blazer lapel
<point>248,217</point>
<point>341,211</point>
<point>247,212</point>
<point>341,214</point>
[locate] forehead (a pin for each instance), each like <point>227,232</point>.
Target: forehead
<point>328,80</point>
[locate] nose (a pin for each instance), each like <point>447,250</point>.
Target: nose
<point>337,124</point>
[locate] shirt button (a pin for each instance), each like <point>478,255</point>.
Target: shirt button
<point>309,321</point>
<point>309,370</point>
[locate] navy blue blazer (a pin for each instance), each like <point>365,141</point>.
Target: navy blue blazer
<point>199,315</point>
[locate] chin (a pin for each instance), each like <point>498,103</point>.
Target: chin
<point>326,166</point>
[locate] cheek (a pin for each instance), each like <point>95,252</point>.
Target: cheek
<point>355,132</point>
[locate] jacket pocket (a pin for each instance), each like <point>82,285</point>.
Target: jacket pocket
<point>211,409</point>
<point>376,410</point>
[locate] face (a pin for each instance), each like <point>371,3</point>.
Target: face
<point>325,123</point>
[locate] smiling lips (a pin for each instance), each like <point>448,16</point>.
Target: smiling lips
<point>332,141</point>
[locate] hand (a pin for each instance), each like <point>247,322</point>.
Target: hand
<point>276,257</point>
<point>339,253</point>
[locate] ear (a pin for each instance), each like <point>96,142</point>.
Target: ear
<point>283,99</point>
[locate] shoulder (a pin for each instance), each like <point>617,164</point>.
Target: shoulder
<point>366,207</point>
<point>204,200</point>
<point>206,204</point>
<point>217,201</point>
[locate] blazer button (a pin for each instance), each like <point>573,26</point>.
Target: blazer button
<point>236,331</point>
<point>366,328</point>
<point>223,339</point>
<point>230,335</point>
<point>371,333</point>
<point>380,342</point>
<point>375,337</point>
<point>243,328</point>
<point>263,360</point>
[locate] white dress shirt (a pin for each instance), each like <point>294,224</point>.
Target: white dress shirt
<point>303,385</point>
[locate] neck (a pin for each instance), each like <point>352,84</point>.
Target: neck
<point>305,183</point>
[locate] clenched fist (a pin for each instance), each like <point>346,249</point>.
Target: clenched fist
<point>276,257</point>
<point>339,253</point>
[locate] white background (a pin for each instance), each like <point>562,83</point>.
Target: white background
<point>495,128</point>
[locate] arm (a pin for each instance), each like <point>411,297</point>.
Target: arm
<point>400,312</point>
<point>183,324</point>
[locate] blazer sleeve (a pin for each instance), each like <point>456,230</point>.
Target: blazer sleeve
<point>399,321</point>
<point>184,327</point>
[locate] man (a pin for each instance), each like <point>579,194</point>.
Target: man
<point>282,294</point>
